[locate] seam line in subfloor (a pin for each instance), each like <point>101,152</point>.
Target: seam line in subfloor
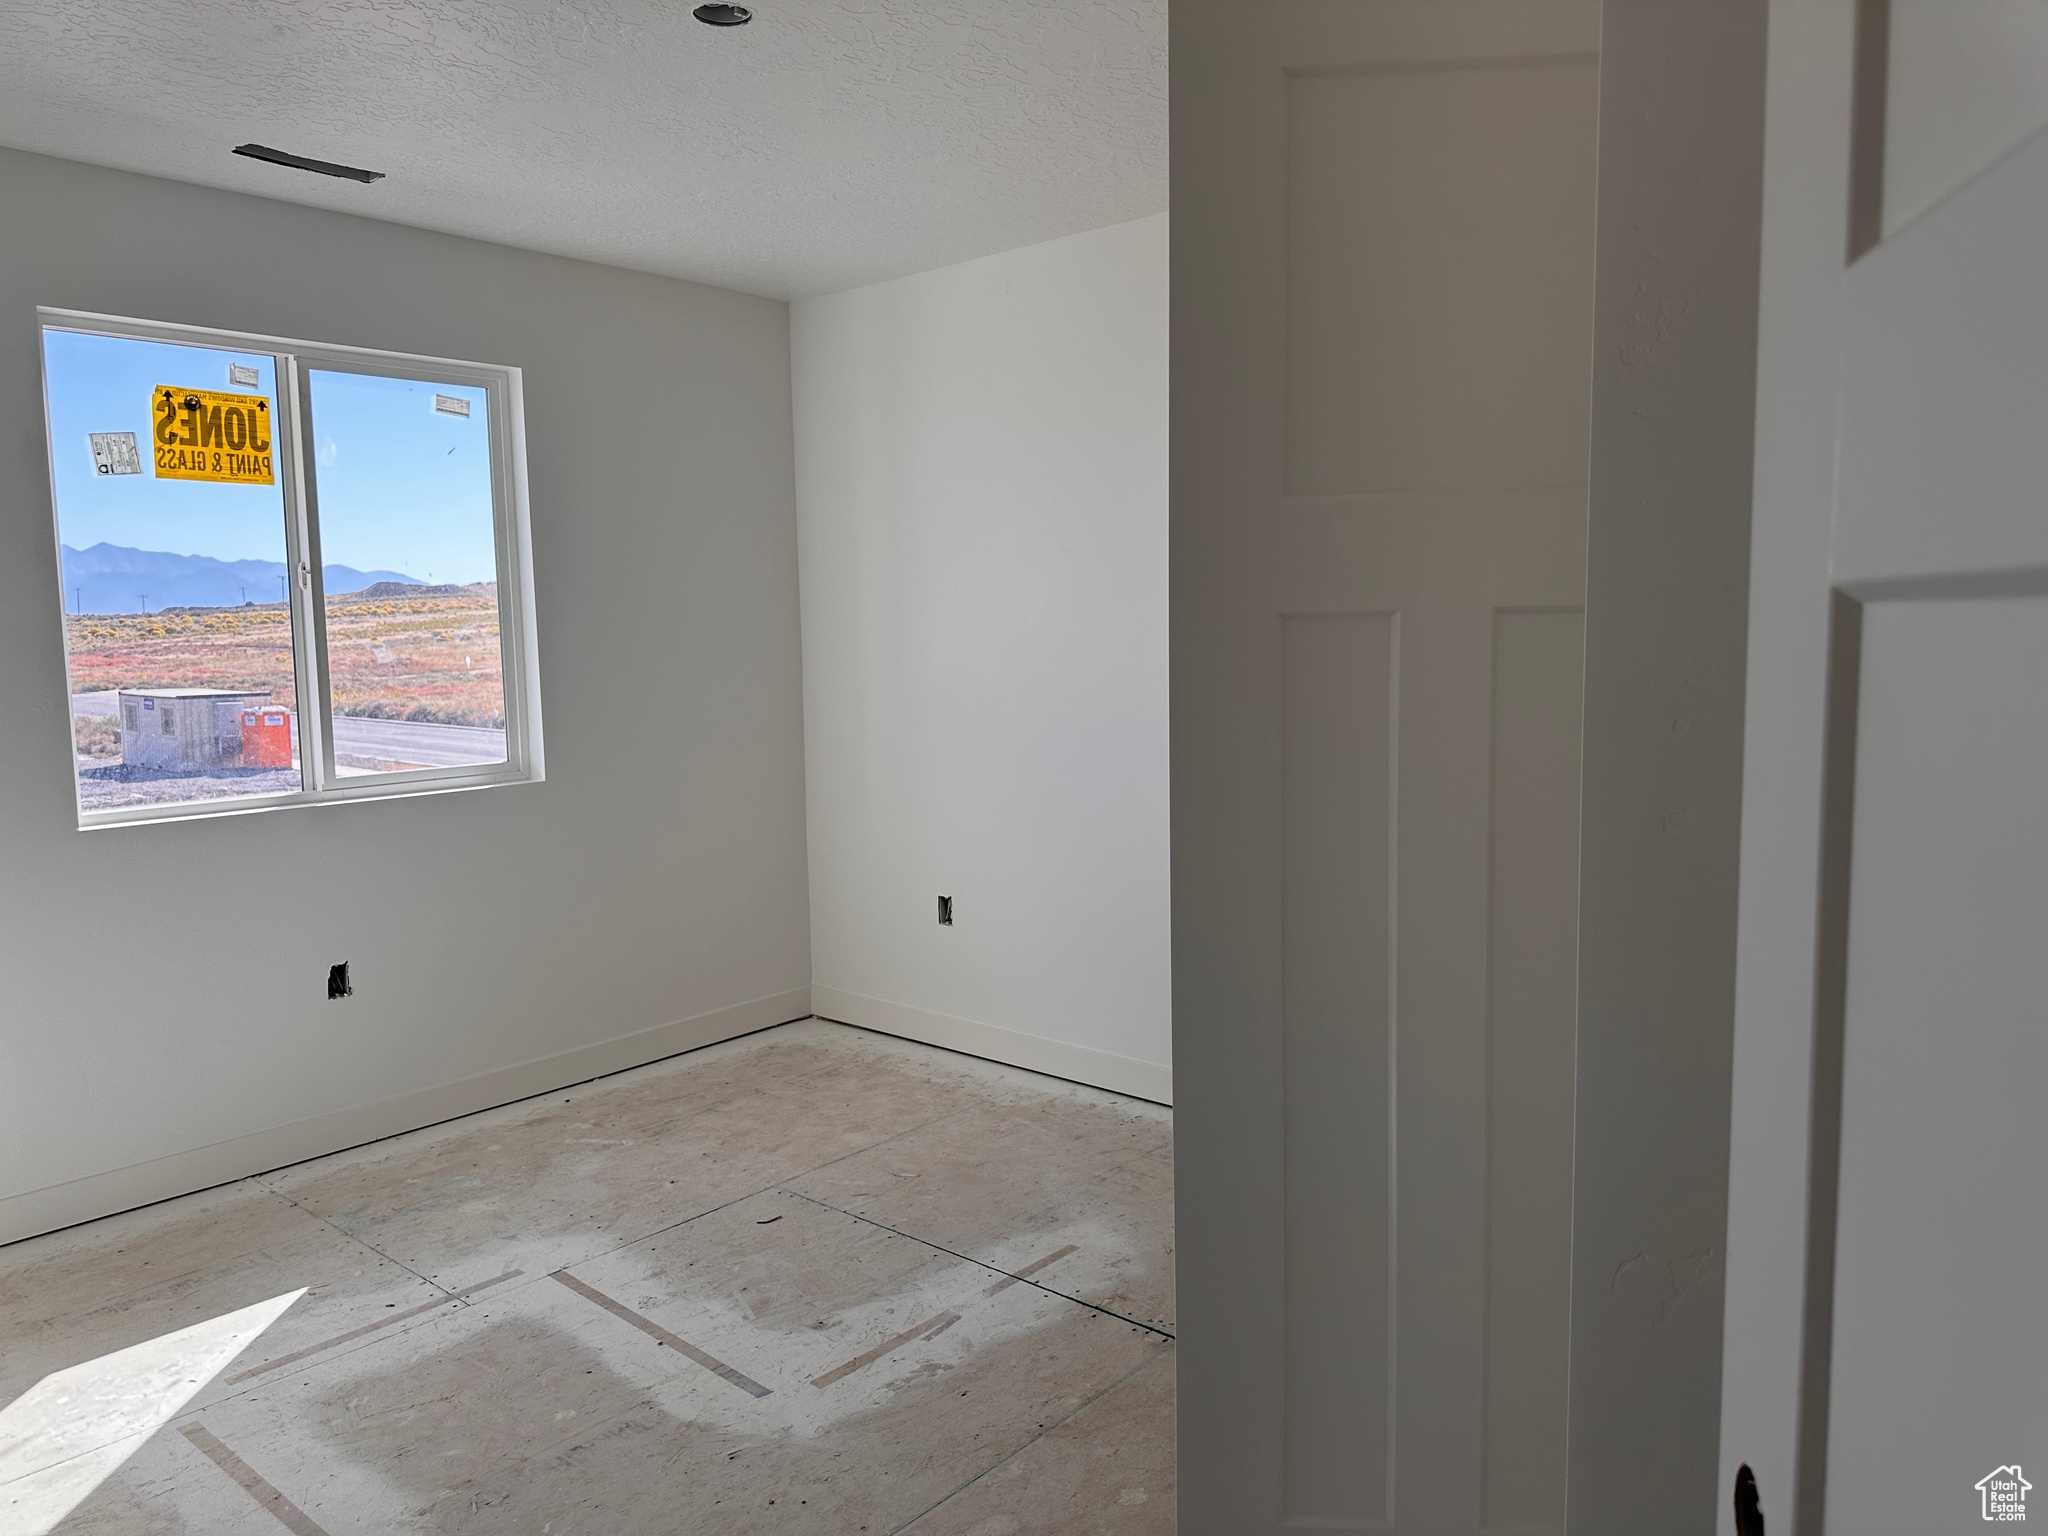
<point>984,1264</point>
<point>932,1327</point>
<point>619,1247</point>
<point>1030,1269</point>
<point>263,1178</point>
<point>292,1517</point>
<point>354,1237</point>
<point>661,1335</point>
<point>936,1326</point>
<point>997,1465</point>
<point>765,1189</point>
<point>356,1333</point>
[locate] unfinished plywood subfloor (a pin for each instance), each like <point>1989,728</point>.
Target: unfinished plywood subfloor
<point>815,1280</point>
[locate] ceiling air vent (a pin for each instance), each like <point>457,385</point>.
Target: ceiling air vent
<point>301,163</point>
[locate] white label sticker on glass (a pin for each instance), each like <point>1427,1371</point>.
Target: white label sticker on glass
<point>243,375</point>
<point>451,405</point>
<point>115,453</point>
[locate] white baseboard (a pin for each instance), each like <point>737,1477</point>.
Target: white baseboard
<point>1076,1063</point>
<point>160,1178</point>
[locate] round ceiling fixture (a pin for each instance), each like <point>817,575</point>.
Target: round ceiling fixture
<point>723,15</point>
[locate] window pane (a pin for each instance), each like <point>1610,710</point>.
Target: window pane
<point>176,622</point>
<point>409,542</point>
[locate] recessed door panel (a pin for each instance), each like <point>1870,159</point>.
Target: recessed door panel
<point>1440,258</point>
<point>1942,1243</point>
<point>1532,1005</point>
<point>1337,887</point>
<point>1968,81</point>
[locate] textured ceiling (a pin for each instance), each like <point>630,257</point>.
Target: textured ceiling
<point>831,143</point>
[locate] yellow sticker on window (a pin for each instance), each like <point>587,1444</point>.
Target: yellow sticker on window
<point>204,434</point>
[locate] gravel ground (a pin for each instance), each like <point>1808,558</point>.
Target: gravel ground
<point>104,786</point>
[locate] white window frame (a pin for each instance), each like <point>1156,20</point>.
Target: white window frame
<point>293,430</point>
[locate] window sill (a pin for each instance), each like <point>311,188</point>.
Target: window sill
<point>395,786</point>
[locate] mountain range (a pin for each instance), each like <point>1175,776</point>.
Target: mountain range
<point>108,578</point>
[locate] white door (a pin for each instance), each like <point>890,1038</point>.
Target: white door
<point>1383,284</point>
<point>1886,1364</point>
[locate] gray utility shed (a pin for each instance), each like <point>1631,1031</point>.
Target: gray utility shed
<point>184,728</point>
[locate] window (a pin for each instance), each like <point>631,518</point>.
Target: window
<point>292,573</point>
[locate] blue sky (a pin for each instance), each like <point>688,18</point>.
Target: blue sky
<point>402,486</point>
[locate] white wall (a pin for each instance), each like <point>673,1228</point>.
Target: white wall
<point>647,897</point>
<point>981,477</point>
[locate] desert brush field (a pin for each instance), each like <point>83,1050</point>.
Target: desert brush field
<point>431,656</point>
